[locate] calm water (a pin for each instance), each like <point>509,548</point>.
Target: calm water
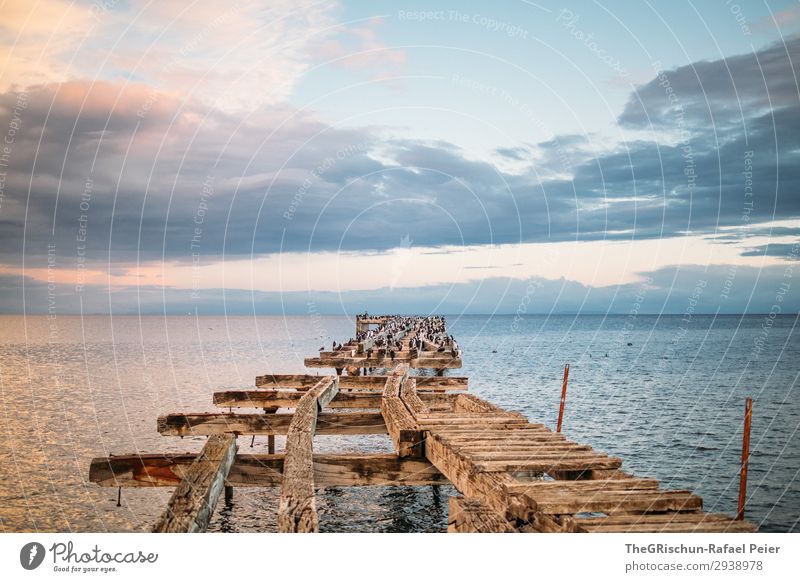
<point>670,404</point>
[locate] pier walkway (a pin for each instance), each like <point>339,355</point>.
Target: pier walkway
<point>512,475</point>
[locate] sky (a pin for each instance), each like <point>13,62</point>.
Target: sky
<point>456,157</point>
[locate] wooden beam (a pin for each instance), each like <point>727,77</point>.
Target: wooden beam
<point>666,522</point>
<point>645,527</point>
<point>472,516</point>
<point>167,470</point>
<point>407,438</point>
<point>471,403</point>
<point>377,382</point>
<point>290,399</point>
<point>583,487</point>
<point>297,509</point>
<point>216,423</point>
<point>610,502</point>
<point>193,502</point>
<point>568,462</point>
<point>409,396</point>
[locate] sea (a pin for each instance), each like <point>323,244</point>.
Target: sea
<point>664,393</point>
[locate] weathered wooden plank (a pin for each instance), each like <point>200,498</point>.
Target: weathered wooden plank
<point>407,438</point>
<point>409,396</point>
<point>513,452</point>
<point>617,501</point>
<point>472,516</point>
<point>516,430</point>
<point>306,381</point>
<point>547,465</point>
<point>267,398</point>
<point>471,403</point>
<point>297,510</point>
<point>473,423</point>
<point>666,522</point>
<point>492,439</point>
<point>248,470</point>
<point>489,488</point>
<point>654,518</point>
<point>216,423</point>
<point>472,417</point>
<point>193,501</point>
<point>290,399</point>
<point>731,526</point>
<point>535,488</point>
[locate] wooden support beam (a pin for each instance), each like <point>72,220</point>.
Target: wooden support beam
<point>409,396</point>
<point>193,502</point>
<point>306,381</point>
<point>666,522</point>
<point>290,399</point>
<point>407,438</point>
<point>471,403</point>
<point>472,516</point>
<point>530,464</point>
<point>583,487</point>
<point>167,470</point>
<point>215,423</point>
<point>297,509</point>
<point>702,527</point>
<point>610,502</point>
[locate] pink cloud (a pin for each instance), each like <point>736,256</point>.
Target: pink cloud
<point>359,48</point>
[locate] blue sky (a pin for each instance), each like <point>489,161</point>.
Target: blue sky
<point>264,157</point>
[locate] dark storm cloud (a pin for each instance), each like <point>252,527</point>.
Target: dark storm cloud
<point>719,93</point>
<point>144,176</point>
<point>788,251</point>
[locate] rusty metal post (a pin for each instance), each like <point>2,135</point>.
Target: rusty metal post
<point>748,418</point>
<point>563,397</point>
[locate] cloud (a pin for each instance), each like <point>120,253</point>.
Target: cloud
<point>117,173</point>
<point>37,40</point>
<point>787,251</point>
<point>358,47</point>
<point>718,94</point>
<point>236,56</point>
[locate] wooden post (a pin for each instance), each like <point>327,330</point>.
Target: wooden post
<point>748,417</point>
<point>297,510</point>
<point>192,503</point>
<point>270,438</point>
<point>563,397</point>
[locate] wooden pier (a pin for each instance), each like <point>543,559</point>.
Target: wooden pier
<point>512,475</point>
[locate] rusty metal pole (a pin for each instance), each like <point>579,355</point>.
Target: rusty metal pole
<point>563,397</point>
<point>748,418</point>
